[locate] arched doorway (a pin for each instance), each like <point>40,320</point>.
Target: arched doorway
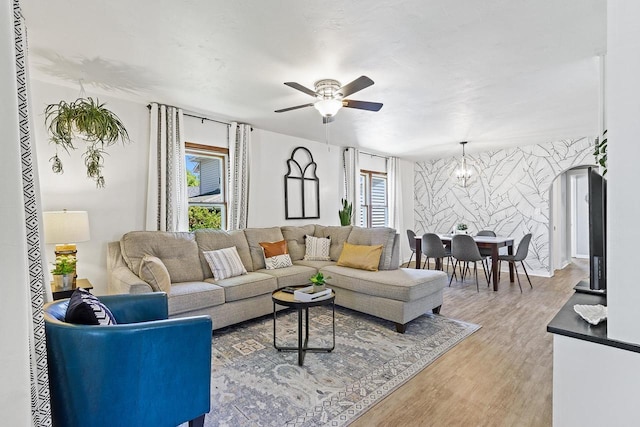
<point>568,218</point>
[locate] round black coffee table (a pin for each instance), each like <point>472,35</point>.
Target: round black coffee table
<point>286,299</point>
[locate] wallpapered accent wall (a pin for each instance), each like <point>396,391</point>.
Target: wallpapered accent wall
<point>510,193</point>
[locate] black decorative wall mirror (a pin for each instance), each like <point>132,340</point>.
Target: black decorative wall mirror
<point>301,186</point>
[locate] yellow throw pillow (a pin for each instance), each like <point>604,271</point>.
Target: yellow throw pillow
<point>360,256</point>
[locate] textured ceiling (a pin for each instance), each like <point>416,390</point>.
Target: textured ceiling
<point>494,72</point>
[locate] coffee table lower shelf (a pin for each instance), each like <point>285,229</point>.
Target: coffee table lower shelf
<point>285,299</point>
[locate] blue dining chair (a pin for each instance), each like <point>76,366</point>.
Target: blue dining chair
<point>146,370</point>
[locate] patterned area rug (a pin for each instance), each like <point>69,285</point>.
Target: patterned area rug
<point>255,385</point>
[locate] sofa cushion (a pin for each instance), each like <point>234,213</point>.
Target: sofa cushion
<point>153,271</point>
<point>246,286</point>
<point>189,296</point>
<point>314,264</point>
<point>178,252</point>
<point>360,256</point>
<point>295,239</point>
<point>402,284</point>
<point>291,276</point>
<point>317,248</point>
<point>338,234</point>
<point>254,237</point>
<point>225,263</point>
<point>211,240</point>
<point>384,236</point>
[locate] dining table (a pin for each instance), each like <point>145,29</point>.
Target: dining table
<point>493,243</point>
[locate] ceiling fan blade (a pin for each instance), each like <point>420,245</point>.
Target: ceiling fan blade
<point>355,86</point>
<point>294,108</point>
<point>301,88</point>
<point>362,105</point>
<point>326,120</point>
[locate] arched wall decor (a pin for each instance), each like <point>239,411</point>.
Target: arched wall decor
<point>301,186</point>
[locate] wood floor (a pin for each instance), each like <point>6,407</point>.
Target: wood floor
<point>502,374</point>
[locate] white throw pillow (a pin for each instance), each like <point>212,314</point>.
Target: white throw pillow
<point>225,263</point>
<point>278,261</point>
<point>317,248</point>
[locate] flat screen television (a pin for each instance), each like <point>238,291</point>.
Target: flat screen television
<point>597,231</point>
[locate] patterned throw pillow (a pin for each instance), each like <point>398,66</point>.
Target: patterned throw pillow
<point>317,248</point>
<point>153,271</point>
<point>86,309</point>
<point>276,255</point>
<point>225,263</point>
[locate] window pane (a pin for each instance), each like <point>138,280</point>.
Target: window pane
<point>205,217</point>
<point>205,186</point>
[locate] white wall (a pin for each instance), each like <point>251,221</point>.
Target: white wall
<point>15,316</point>
<point>623,205</point>
<point>580,213</point>
<point>206,132</point>
<point>113,210</point>
<point>270,152</point>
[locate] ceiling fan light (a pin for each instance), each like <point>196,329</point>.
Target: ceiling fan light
<point>328,107</point>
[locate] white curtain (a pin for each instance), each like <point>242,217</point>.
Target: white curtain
<point>167,198</point>
<point>27,266</point>
<point>394,193</point>
<point>238,182</point>
<point>351,166</point>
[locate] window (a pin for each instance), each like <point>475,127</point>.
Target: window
<point>373,199</point>
<point>206,186</point>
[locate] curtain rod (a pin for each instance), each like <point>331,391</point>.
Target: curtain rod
<point>196,117</point>
<point>374,155</point>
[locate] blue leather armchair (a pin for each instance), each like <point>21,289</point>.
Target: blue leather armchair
<point>144,371</point>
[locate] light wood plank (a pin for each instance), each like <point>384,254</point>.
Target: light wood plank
<point>502,374</point>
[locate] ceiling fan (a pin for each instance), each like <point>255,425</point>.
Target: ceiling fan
<point>330,94</point>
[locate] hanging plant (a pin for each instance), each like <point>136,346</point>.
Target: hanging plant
<point>600,152</point>
<point>84,119</point>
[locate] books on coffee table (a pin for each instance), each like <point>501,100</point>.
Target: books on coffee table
<point>307,294</point>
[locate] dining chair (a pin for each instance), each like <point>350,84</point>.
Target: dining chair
<point>486,252</point>
<point>411,235</point>
<point>520,255</point>
<point>464,249</point>
<point>432,247</point>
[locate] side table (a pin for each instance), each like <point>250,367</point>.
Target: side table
<point>286,299</point>
<point>80,283</point>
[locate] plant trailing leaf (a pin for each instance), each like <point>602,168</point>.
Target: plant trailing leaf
<point>600,152</point>
<point>346,213</point>
<point>88,120</point>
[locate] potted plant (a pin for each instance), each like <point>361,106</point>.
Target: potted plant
<point>63,271</point>
<point>319,281</point>
<point>88,120</point>
<point>600,152</point>
<point>346,213</point>
<point>461,228</point>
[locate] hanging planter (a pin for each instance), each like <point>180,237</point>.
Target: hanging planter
<point>84,119</point>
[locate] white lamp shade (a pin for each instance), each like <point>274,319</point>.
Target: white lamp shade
<point>328,107</point>
<point>66,227</point>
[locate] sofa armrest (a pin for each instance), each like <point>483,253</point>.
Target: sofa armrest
<point>123,281</point>
<point>151,373</point>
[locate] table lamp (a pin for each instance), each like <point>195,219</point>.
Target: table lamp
<point>65,229</point>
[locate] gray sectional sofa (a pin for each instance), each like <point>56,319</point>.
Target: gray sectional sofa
<point>396,294</point>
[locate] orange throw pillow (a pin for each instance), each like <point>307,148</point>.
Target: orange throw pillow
<point>360,256</point>
<point>272,249</point>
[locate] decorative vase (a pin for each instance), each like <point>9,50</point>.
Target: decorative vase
<point>319,288</point>
<point>67,281</point>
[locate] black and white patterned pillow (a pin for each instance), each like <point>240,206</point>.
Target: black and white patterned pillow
<point>86,309</point>
<point>278,261</point>
<point>317,248</point>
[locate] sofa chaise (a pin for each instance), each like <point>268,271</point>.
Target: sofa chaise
<point>395,294</point>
